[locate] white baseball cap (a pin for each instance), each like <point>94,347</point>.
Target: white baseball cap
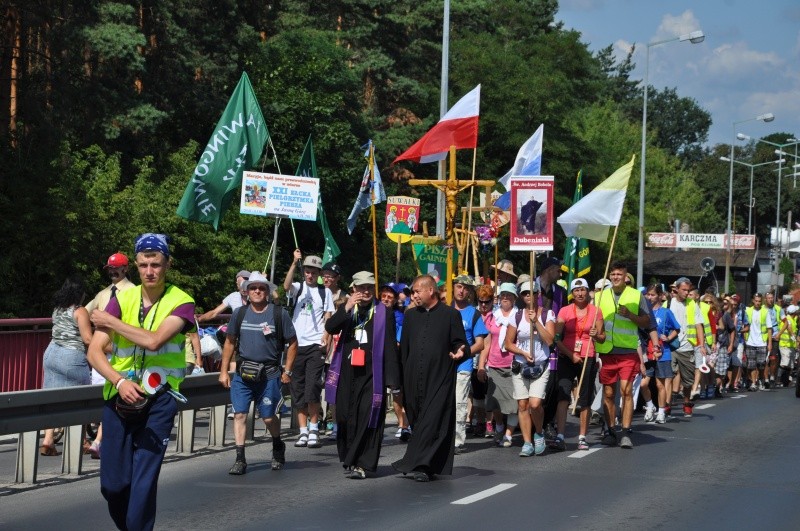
<point>579,283</point>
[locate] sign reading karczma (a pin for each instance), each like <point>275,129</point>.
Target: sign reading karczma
<point>687,240</point>
<point>289,196</point>
<point>531,213</point>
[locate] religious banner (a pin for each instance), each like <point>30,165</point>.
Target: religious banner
<point>402,218</point>
<point>288,196</point>
<point>497,217</point>
<point>432,259</point>
<point>686,240</point>
<point>532,213</point>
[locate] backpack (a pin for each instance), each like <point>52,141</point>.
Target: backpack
<point>239,319</point>
<point>320,288</point>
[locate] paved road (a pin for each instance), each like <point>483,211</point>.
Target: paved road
<point>733,466</point>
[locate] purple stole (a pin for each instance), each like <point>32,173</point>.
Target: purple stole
<point>378,336</point>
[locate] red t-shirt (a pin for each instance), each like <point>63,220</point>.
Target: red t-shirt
<point>577,328</point>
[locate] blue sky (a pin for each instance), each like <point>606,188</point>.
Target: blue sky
<point>747,65</point>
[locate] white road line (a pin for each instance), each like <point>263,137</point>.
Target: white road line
<point>583,453</point>
<point>484,494</point>
<point>737,396</point>
<point>704,406</point>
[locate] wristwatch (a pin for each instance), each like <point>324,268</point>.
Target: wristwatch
<point>288,373</point>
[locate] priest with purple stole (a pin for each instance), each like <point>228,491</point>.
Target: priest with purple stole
<point>432,344</point>
<point>364,364</point>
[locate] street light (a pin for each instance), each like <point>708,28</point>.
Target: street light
<point>751,166</point>
<point>767,117</point>
<point>695,37</point>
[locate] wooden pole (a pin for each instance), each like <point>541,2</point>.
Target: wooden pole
<point>469,215</point>
<point>475,255</point>
<point>397,264</point>
<point>530,306</point>
<point>597,305</point>
<point>452,236</point>
<point>374,222</point>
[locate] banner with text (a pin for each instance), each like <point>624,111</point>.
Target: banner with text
<point>432,259</point>
<point>686,240</point>
<point>289,196</point>
<point>532,213</point>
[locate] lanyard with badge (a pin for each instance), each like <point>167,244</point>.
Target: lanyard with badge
<point>357,355</point>
<point>135,373</point>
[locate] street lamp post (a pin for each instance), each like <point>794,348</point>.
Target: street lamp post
<point>694,37</point>
<point>751,166</point>
<point>768,117</point>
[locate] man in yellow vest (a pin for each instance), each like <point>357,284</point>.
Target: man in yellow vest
<point>625,312</point>
<point>787,343</point>
<point>757,342</point>
<point>146,329</point>
<point>684,357</point>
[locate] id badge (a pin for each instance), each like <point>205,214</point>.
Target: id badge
<point>267,329</point>
<point>578,345</point>
<point>357,357</point>
<point>361,335</point>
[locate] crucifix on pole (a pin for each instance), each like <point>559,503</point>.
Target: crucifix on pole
<point>451,187</point>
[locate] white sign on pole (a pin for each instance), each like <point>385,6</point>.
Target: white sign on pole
<point>289,196</point>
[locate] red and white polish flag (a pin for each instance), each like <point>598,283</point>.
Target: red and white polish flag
<point>459,128</point>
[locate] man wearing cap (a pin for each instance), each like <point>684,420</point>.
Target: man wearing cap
<point>625,312</point>
<point>431,347</point>
<point>257,344</point>
<point>364,364</point>
<point>147,326</point>
<point>331,273</point>
<point>313,306</point>
<point>233,300</point>
<point>475,331</point>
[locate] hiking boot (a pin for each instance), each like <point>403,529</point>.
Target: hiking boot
<point>278,455</point>
<point>238,468</point>
<point>609,438</point>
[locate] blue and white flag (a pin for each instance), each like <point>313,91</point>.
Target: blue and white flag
<point>364,199</point>
<point>528,162</point>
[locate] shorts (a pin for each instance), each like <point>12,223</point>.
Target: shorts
<point>786,356</point>
<point>736,356</point>
<point>567,375</point>
<point>756,357</point>
<point>663,369</point>
<point>723,361</point>
<point>479,388</point>
<point>266,395</point>
<point>307,375</point>
<point>683,363</point>
<point>698,357</point>
<point>525,388</point>
<point>618,367</point>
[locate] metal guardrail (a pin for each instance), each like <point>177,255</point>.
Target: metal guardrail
<point>27,412</point>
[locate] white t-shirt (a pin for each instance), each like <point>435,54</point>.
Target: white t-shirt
<point>309,313</point>
<point>233,300</point>
<point>754,338</point>
<point>540,350</point>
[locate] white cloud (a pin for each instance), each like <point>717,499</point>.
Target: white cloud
<point>737,60</point>
<point>673,26</point>
<point>581,5</point>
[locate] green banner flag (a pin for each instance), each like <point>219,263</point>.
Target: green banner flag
<point>235,146</point>
<point>577,262</point>
<point>308,168</point>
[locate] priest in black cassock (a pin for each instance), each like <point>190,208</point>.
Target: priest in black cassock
<point>432,344</point>
<point>364,364</point>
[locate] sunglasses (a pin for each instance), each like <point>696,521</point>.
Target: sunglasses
<point>487,301</point>
<point>257,288</point>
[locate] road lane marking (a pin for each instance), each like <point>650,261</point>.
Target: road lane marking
<point>737,396</point>
<point>704,406</point>
<point>484,494</point>
<point>583,453</point>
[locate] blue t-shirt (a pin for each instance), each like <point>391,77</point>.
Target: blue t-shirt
<point>478,330</point>
<point>258,340</point>
<point>665,324</point>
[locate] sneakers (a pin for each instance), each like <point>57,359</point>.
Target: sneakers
<point>649,414</point>
<point>504,442</point>
<point>302,441</point>
<point>94,450</point>
<point>753,388</point>
<point>668,411</point>
<point>661,418</point>
<point>278,455</point>
<point>687,409</point>
<point>538,444</point>
<point>558,445</point>
<point>582,444</point>
<point>527,450</point>
<point>398,433</point>
<point>489,433</point>
<point>760,385</point>
<point>405,434</point>
<point>625,441</point>
<point>609,438</point>
<point>695,394</point>
<point>238,468</point>
<point>357,473</point>
<point>766,385</point>
<point>313,439</point>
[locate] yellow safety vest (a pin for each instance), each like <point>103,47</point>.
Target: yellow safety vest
<point>787,337</point>
<point>691,331</point>
<point>170,357</point>
<point>763,314</point>
<point>620,331</point>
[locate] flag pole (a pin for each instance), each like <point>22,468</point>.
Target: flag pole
<point>530,306</point>
<point>372,205</point>
<point>597,305</point>
<point>469,212</point>
<point>397,263</point>
<point>278,166</point>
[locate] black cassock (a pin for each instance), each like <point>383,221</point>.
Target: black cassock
<point>357,443</point>
<point>429,379</point>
